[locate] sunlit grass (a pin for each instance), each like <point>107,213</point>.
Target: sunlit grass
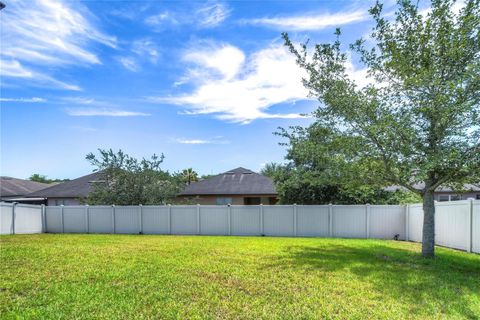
<point>127,277</point>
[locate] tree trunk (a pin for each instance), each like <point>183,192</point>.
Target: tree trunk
<point>428,241</point>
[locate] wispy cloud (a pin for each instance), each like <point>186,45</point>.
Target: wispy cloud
<point>161,19</point>
<point>310,22</point>
<point>28,100</point>
<point>208,15</point>
<point>212,14</point>
<point>215,140</point>
<point>38,34</point>
<point>129,63</point>
<point>102,112</point>
<point>239,89</point>
<point>140,51</point>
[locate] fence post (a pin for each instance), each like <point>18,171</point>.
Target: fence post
<point>13,217</point>
<point>198,218</point>
<point>262,228</point>
<point>42,212</point>
<point>113,218</point>
<point>170,219</point>
<point>470,227</point>
<point>330,220</point>
<point>63,219</point>
<point>295,219</point>
<point>46,223</point>
<point>367,220</point>
<point>407,222</point>
<point>229,211</point>
<point>140,218</point>
<point>87,217</point>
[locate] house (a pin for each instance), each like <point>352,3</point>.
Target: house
<point>470,191</point>
<point>15,190</point>
<point>68,193</point>
<point>237,186</point>
<point>443,193</point>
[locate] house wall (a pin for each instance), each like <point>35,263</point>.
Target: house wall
<point>63,201</point>
<point>464,196</point>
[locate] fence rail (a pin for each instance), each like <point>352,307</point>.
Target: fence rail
<point>457,223</point>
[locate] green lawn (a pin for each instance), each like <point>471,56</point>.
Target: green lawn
<point>132,276</point>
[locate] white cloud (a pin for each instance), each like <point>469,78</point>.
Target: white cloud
<point>310,22</point>
<point>146,48</point>
<point>209,15</point>
<point>129,63</point>
<point>140,50</point>
<point>160,19</point>
<point>225,59</point>
<point>41,33</point>
<point>216,140</point>
<point>28,100</point>
<point>212,14</point>
<point>102,112</point>
<point>238,90</point>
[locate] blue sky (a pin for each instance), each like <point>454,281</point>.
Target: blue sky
<point>206,83</point>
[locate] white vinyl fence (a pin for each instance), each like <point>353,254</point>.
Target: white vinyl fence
<point>457,223</point>
<point>21,218</point>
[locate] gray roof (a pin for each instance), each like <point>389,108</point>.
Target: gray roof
<point>77,188</point>
<point>239,181</point>
<point>475,187</point>
<point>12,187</point>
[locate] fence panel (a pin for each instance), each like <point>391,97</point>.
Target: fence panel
<point>386,221</point>
<point>476,226</point>
<point>53,217</point>
<point>415,223</point>
<point>127,219</point>
<point>312,221</point>
<point>246,220</point>
<point>6,226</point>
<point>349,221</point>
<point>452,225</point>
<point>214,220</point>
<point>101,219</point>
<point>155,220</point>
<point>184,219</point>
<point>278,221</point>
<point>74,219</point>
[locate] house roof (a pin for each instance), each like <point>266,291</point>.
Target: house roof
<point>13,187</point>
<point>76,188</point>
<point>239,181</point>
<point>475,187</point>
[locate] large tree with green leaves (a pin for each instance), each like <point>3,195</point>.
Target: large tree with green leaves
<point>418,123</point>
<point>125,180</point>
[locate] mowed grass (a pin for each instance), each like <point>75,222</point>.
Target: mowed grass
<point>182,277</point>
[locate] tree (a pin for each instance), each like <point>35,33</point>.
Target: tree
<point>43,179</point>
<point>417,124</point>
<point>124,180</point>
<point>189,176</point>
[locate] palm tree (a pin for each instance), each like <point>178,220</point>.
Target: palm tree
<point>189,176</point>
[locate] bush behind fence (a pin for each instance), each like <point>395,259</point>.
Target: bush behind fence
<point>457,223</point>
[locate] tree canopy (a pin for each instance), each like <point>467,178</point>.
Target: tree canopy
<point>126,180</point>
<point>417,124</point>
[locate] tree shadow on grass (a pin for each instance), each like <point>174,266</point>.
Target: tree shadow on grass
<point>448,281</point>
